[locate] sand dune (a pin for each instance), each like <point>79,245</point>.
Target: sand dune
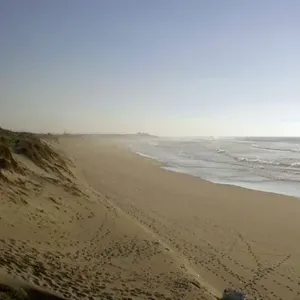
<point>60,234</point>
<point>91,220</point>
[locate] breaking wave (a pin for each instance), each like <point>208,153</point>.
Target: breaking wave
<point>259,162</point>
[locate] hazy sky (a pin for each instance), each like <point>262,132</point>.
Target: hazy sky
<point>165,67</point>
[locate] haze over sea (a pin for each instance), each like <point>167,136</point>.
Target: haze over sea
<point>269,164</point>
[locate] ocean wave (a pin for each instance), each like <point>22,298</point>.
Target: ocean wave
<point>293,150</point>
<point>268,162</point>
<point>259,161</point>
<point>152,143</point>
<point>145,155</point>
<point>221,151</point>
<point>230,162</point>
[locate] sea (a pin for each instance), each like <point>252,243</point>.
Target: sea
<point>269,164</point>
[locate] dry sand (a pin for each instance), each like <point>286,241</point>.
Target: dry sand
<point>117,226</point>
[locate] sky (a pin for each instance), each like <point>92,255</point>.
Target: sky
<point>167,67</point>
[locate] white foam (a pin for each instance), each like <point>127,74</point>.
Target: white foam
<point>296,164</point>
<point>257,160</point>
<point>229,161</point>
<point>145,155</point>
<point>221,151</point>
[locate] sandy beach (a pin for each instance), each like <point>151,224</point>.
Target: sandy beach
<point>114,225</point>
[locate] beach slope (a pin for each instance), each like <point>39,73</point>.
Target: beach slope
<point>227,236</point>
<point>59,234</point>
<point>91,220</point>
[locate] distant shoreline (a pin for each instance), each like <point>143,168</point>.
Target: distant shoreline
<point>212,165</point>
<point>246,187</point>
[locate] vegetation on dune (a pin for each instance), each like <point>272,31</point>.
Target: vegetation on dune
<point>7,161</point>
<point>9,293</point>
<point>25,292</point>
<point>30,146</point>
<point>37,151</point>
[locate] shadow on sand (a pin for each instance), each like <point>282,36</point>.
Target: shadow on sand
<point>15,289</point>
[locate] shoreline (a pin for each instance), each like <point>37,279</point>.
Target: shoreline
<point>246,185</point>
